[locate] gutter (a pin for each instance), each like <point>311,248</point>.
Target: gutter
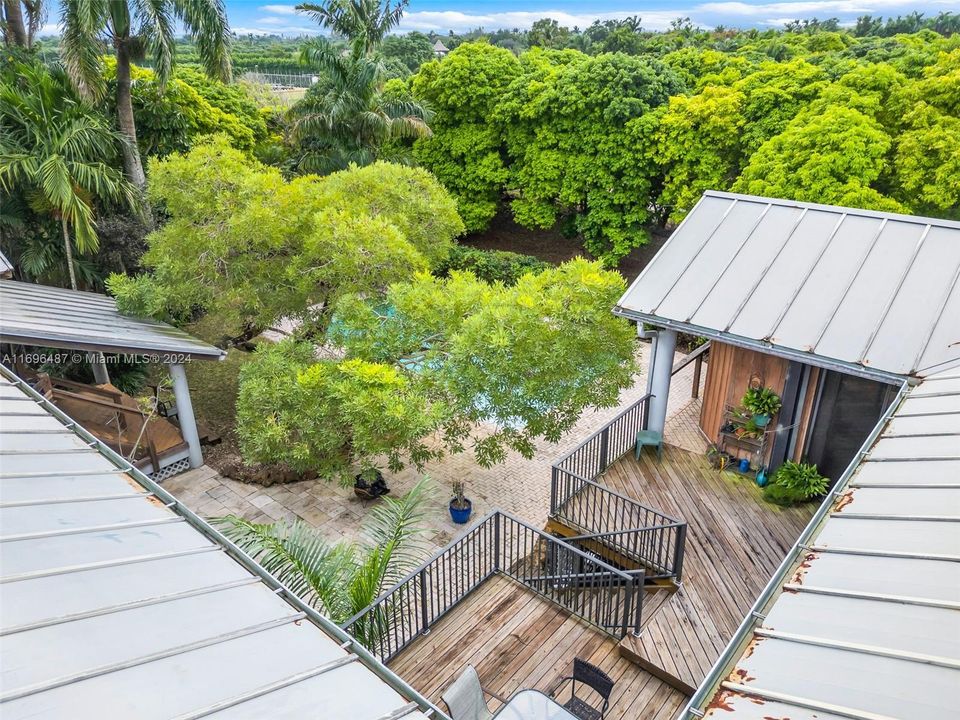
<point>734,649</point>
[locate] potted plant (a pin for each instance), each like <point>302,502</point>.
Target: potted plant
<point>794,483</point>
<point>763,403</point>
<point>460,506</point>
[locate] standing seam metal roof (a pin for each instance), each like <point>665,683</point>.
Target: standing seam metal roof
<point>116,601</point>
<point>870,291</point>
<point>57,317</point>
<point>863,621</point>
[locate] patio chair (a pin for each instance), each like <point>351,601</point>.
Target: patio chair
<point>594,678</point>
<point>464,697</point>
<point>651,438</point>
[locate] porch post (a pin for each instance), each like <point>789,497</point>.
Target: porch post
<point>188,425</point>
<point>661,366</point>
<point>99,366</point>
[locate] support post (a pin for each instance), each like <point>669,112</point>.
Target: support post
<point>188,425</point>
<point>661,366</point>
<point>98,364</point>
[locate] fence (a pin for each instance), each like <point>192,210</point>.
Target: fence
<point>632,530</point>
<point>500,543</point>
<point>281,80</point>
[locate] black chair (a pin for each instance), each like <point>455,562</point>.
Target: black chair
<point>594,678</point>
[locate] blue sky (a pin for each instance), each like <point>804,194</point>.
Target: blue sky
<point>278,17</point>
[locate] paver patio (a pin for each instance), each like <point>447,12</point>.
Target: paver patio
<point>520,486</point>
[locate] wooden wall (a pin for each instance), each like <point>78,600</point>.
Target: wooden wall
<point>729,373</point>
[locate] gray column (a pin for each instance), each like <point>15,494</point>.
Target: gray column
<point>188,424</point>
<point>99,366</point>
<point>661,365</point>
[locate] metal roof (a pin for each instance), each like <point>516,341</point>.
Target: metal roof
<point>6,267</point>
<point>863,620</point>
<point>867,292</point>
<point>117,601</point>
<point>57,317</point>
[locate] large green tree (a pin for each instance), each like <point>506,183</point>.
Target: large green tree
<point>440,364</point>
<point>134,30</point>
<point>57,151</point>
<point>250,247</point>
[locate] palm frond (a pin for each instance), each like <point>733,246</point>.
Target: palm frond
<point>157,31</point>
<point>81,47</point>
<point>207,21</point>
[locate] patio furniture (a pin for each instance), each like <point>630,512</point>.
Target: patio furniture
<point>594,678</point>
<point>532,705</point>
<point>464,698</point>
<point>651,438</point>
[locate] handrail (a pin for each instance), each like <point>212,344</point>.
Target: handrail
<point>500,543</point>
<point>690,357</point>
<point>605,515</point>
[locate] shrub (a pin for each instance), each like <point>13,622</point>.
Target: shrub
<point>490,265</point>
<point>761,401</point>
<point>795,483</point>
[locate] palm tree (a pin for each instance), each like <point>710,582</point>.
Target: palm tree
<point>143,28</point>
<point>345,117</point>
<point>55,148</point>
<point>364,22</point>
<point>343,578</point>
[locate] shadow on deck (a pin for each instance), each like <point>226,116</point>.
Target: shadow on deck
<point>735,540</point>
<point>517,639</point>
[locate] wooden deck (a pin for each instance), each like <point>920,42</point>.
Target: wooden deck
<point>735,541</point>
<point>518,640</point>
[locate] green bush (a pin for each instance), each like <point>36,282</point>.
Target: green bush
<point>761,401</point>
<point>795,483</point>
<point>490,265</point>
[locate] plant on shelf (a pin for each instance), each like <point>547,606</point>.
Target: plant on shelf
<point>763,403</point>
<point>460,506</point>
<point>794,483</point>
<point>750,430</point>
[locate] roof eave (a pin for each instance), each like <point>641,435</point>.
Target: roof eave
<point>162,354</point>
<point>766,347</point>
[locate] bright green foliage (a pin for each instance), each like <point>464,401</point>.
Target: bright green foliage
<point>927,161</point>
<point>490,265</point>
<point>250,247</point>
<point>523,361</point>
<point>795,483</point>
<point>698,145</point>
<point>576,156</point>
<point>343,578</point>
<point>464,151</point>
<point>329,416</point>
<point>832,156</point>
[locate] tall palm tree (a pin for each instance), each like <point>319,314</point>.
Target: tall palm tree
<point>345,117</point>
<point>56,149</point>
<point>339,579</point>
<point>136,29</point>
<point>20,21</point>
<point>364,22</point>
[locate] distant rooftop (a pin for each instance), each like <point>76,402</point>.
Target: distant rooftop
<point>46,316</point>
<point>116,601</point>
<point>858,290</point>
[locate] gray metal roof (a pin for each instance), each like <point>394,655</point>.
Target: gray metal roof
<point>6,267</point>
<point>118,602</point>
<point>868,292</point>
<point>863,621</point>
<point>57,317</point>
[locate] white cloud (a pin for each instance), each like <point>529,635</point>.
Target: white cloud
<point>48,29</point>
<point>279,9</point>
<point>443,20</point>
<point>293,30</point>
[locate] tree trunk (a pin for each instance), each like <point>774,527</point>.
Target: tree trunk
<point>132,166</point>
<point>68,247</point>
<point>16,31</point>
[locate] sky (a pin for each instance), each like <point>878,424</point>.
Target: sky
<point>266,17</point>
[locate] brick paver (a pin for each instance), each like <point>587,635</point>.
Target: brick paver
<point>519,485</point>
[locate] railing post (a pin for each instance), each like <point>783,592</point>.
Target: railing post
<point>496,542</point>
<point>604,449</point>
<point>424,616</point>
<point>678,552</point>
<point>554,481</point>
<point>697,367</point>
<point>638,613</point>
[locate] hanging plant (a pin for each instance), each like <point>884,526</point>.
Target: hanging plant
<point>763,403</point>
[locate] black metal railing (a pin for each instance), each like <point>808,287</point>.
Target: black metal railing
<point>639,534</point>
<point>604,596</point>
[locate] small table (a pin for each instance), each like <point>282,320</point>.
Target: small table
<point>532,705</point>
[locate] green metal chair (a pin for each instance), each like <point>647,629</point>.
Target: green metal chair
<point>651,438</point>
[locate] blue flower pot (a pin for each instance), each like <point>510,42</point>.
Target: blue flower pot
<point>744,465</point>
<point>761,420</point>
<point>461,516</point>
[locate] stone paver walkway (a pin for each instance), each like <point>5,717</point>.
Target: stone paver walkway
<point>519,485</point>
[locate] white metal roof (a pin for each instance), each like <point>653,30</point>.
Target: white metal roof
<point>6,267</point>
<point>57,317</point>
<point>865,622</point>
<point>118,602</point>
<point>867,291</point>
